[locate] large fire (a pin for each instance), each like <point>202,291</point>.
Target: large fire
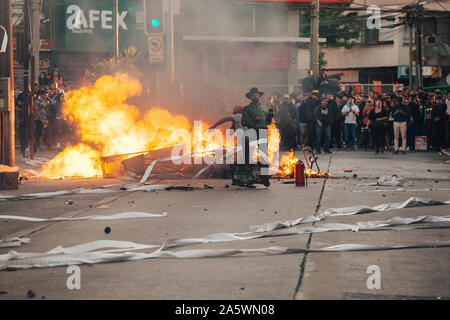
<point>114,127</point>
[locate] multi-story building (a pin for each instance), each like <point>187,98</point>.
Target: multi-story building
<point>382,55</point>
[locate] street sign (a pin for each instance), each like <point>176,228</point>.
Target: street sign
<point>155,49</point>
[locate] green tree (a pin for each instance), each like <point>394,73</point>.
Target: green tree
<point>340,28</point>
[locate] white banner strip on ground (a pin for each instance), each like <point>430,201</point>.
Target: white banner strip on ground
<point>411,202</point>
<point>285,224</point>
<point>400,190</point>
<point>13,242</point>
<point>123,215</point>
<point>14,261</point>
<point>89,252</point>
<point>44,195</point>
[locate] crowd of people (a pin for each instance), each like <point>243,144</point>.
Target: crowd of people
<point>45,100</point>
<point>346,119</point>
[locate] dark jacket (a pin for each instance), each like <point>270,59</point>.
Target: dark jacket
<point>415,112</point>
<point>323,87</point>
<point>400,117</point>
<point>308,85</point>
<point>439,110</point>
<point>302,112</point>
<point>324,115</point>
<point>334,110</point>
<point>310,107</point>
<point>249,115</point>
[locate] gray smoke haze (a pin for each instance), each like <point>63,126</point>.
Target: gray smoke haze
<point>212,72</point>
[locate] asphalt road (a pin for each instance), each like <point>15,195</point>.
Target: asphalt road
<point>405,274</point>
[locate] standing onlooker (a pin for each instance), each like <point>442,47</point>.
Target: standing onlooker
<point>350,112</point>
<point>438,118</point>
<point>400,115</point>
<point>378,118</point>
<point>416,124</point>
<point>302,121</point>
<point>322,82</point>
<point>429,102</point>
<point>310,106</point>
<point>287,119</point>
<point>367,140</point>
<point>20,108</point>
<point>308,83</point>
<point>323,125</point>
<point>389,104</point>
<point>335,125</point>
<point>43,80</point>
<point>40,111</point>
<point>56,77</point>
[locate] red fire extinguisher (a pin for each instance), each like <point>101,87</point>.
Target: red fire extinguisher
<point>300,179</point>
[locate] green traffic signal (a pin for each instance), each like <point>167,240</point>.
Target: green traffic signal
<point>155,23</point>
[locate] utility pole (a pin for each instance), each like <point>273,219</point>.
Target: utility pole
<point>116,29</point>
<point>7,143</point>
<point>171,42</point>
<point>26,67</point>
<point>314,43</point>
<point>419,46</point>
<point>410,56</point>
<point>35,13</point>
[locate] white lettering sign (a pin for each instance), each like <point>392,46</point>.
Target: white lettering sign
<point>77,19</point>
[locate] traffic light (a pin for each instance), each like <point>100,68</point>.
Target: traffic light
<point>154,17</point>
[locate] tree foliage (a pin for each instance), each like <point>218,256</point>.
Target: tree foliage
<point>126,62</point>
<point>340,28</point>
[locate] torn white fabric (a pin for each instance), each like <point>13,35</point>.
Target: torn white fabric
<point>284,230</point>
<point>150,187</point>
<point>44,195</point>
<point>104,189</point>
<point>411,202</point>
<point>40,195</point>
<point>402,190</point>
<point>13,242</point>
<point>63,257</point>
<point>393,181</point>
<point>285,224</point>
<point>118,216</point>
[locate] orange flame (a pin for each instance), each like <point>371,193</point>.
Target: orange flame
<point>114,127</point>
<point>77,161</point>
<point>287,167</point>
<point>287,164</point>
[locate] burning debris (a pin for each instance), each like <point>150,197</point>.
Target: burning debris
<point>289,160</point>
<point>113,131</point>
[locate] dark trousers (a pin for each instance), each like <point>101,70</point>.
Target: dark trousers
<point>390,133</point>
<point>438,135</point>
<point>311,133</point>
<point>380,134</point>
<point>320,132</point>
<point>336,138</point>
<point>38,126</point>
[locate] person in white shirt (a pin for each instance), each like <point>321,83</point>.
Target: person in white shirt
<point>350,111</point>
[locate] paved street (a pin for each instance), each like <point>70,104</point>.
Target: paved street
<point>405,274</point>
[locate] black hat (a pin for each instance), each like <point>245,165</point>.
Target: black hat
<point>252,92</point>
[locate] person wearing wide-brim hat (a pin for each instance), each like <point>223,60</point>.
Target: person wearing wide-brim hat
<point>253,116</point>
<point>252,92</point>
